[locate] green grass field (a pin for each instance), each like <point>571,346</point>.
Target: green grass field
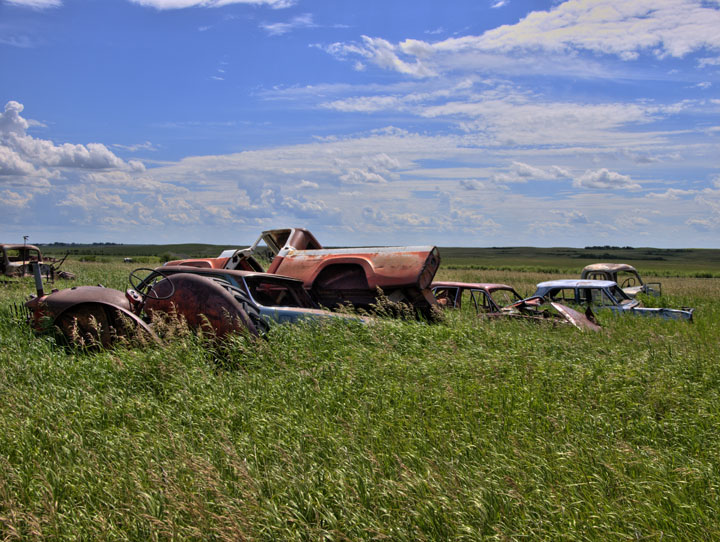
<point>702,263</point>
<point>464,430</point>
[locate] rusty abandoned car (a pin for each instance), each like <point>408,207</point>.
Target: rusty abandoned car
<point>484,297</point>
<point>603,295</point>
<point>623,274</point>
<point>16,260</point>
<point>338,276</point>
<point>215,303</point>
<point>502,301</point>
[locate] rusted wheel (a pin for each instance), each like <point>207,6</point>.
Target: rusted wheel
<point>93,325</point>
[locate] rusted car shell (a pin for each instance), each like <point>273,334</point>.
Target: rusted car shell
<point>28,255</point>
<point>87,308</point>
<point>532,309</point>
<point>578,319</point>
<point>610,271</point>
<point>612,298</point>
<point>388,267</point>
<point>22,265</point>
<point>203,303</point>
<point>298,305</point>
<point>488,287</point>
<point>343,275</point>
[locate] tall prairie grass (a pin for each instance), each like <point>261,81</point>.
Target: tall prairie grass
<point>463,430</point>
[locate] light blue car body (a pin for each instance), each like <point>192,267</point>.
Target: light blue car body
<point>604,295</point>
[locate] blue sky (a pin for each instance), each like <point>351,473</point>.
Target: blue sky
<point>464,123</point>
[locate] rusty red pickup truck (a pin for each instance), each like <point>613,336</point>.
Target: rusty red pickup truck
<point>337,276</point>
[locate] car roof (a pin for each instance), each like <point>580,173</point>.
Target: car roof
<point>6,246</point>
<point>489,286</point>
<point>609,267</point>
<point>576,283</point>
<point>232,272</point>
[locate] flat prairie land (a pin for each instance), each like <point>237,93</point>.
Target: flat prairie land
<point>650,261</point>
<point>468,429</point>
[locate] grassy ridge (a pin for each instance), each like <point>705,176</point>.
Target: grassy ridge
<point>649,261</point>
<point>465,430</point>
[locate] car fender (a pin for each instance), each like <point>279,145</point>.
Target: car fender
<point>205,303</point>
<point>94,323</point>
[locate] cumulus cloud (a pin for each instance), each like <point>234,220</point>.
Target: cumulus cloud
<point>11,163</point>
<point>572,217</point>
<point>14,200</point>
<point>362,176</point>
<point>22,154</point>
<point>520,172</point>
<point>36,165</point>
<point>605,180</point>
<point>451,220</point>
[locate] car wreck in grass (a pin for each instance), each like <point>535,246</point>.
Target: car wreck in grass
<point>270,298</point>
<point>502,301</point>
<point>602,295</point>
<point>217,304</point>
<point>338,276</point>
<point>623,274</point>
<point>17,260</point>
<point>484,297</point>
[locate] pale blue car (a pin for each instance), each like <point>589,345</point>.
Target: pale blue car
<point>603,295</point>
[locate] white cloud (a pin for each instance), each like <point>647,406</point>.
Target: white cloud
<point>667,27</point>
<point>25,151</point>
<point>362,176</point>
<point>520,172</point>
<point>633,221</point>
<point>664,28</point>
<point>278,29</point>
<point>704,62</point>
<point>307,208</point>
<point>473,184</point>
<point>35,4</point>
<point>363,104</point>
<point>605,180</point>
<point>14,200</point>
<point>146,146</point>
<point>572,217</point>
<point>386,55</point>
<point>12,164</point>
<point>671,194</point>
<point>703,224</point>
<point>500,114</point>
